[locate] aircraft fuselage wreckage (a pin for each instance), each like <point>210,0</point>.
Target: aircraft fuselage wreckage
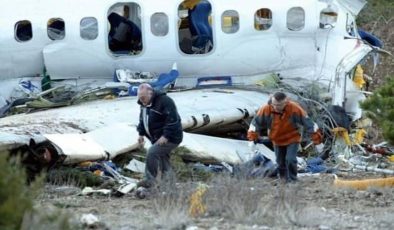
<point>225,57</point>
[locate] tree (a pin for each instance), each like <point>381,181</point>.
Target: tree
<point>380,107</point>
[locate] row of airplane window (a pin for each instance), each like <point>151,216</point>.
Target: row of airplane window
<point>194,27</point>
<point>56,29</point>
<point>159,25</point>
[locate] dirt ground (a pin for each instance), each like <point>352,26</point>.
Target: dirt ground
<point>312,203</point>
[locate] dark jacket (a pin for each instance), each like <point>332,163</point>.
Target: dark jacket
<point>163,119</point>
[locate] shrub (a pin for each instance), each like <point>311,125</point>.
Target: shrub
<point>16,196</point>
<point>380,107</point>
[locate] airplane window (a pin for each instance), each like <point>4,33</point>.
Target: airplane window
<point>263,19</point>
<point>124,32</point>
<point>55,29</point>
<point>159,24</point>
<point>230,21</point>
<point>23,31</point>
<point>89,28</point>
<point>195,27</point>
<point>328,17</point>
<point>295,19</point>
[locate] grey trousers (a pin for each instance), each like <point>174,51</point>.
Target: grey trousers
<point>158,159</point>
<point>286,158</point>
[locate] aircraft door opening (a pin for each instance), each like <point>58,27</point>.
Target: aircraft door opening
<point>124,32</point>
<point>195,27</point>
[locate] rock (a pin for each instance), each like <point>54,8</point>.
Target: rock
<point>142,193</point>
<point>89,219</point>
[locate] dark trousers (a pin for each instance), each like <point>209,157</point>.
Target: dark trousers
<point>158,159</point>
<point>287,161</point>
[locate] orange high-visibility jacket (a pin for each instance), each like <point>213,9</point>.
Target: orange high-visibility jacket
<point>283,128</point>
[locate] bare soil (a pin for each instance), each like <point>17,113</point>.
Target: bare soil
<point>311,203</point>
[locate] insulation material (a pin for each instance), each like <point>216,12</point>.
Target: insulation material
<point>358,78</point>
<point>359,136</point>
<point>342,133</point>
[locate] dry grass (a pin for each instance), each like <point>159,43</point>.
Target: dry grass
<point>254,202</point>
<point>170,204</point>
<point>232,203</point>
<point>261,203</point>
<point>49,217</point>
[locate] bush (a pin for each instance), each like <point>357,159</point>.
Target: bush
<point>183,171</point>
<point>16,196</point>
<point>73,176</point>
<point>380,107</point>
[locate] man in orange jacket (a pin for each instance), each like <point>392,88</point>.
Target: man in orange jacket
<point>283,118</point>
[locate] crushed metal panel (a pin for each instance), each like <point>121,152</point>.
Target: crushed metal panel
<point>9,141</point>
<point>344,92</point>
<point>103,143</point>
<point>77,147</point>
<point>116,138</point>
<point>136,166</point>
<point>221,149</point>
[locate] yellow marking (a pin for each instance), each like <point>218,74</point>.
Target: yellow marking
<point>197,206</point>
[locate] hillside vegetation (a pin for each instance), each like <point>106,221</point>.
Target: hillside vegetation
<point>378,18</point>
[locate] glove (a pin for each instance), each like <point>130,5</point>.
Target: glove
<point>317,137</point>
<point>252,136</point>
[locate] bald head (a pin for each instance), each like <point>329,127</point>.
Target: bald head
<point>145,92</point>
<point>279,101</point>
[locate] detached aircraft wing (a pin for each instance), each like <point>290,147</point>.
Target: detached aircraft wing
<point>103,129</point>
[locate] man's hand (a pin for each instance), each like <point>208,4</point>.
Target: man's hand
<point>162,140</point>
<point>252,136</point>
<point>317,137</point>
<point>141,140</point>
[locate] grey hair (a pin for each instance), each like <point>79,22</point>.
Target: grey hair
<point>279,96</point>
<point>145,86</point>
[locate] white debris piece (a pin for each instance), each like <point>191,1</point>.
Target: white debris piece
<point>136,166</point>
<point>89,219</point>
<point>90,190</point>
